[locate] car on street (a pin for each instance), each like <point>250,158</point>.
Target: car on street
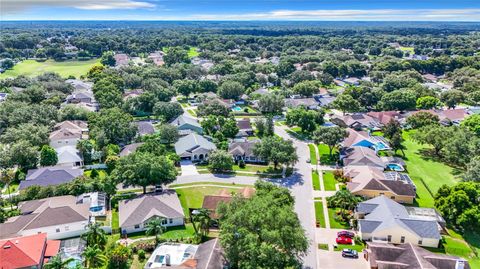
<point>344,240</point>
<point>346,234</point>
<point>350,253</point>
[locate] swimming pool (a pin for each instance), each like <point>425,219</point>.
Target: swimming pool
<point>380,146</point>
<point>395,167</point>
<point>236,108</point>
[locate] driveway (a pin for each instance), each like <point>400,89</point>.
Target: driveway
<point>188,168</point>
<point>334,260</point>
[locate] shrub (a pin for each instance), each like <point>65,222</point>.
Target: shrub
<point>141,254</point>
<point>241,164</point>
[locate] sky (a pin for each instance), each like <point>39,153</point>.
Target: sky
<point>209,10</point>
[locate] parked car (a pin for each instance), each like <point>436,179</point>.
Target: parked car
<point>346,234</point>
<point>349,253</point>
<point>344,240</point>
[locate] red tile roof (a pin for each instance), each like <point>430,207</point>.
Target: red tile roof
<point>25,251</point>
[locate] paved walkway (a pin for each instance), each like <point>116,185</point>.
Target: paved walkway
<point>188,168</point>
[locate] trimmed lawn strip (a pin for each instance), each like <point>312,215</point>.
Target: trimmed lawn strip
<point>207,183</point>
<point>358,247</point>
<point>323,246</point>
<point>115,219</point>
<point>329,181</point>
<point>313,154</point>
<point>334,224</point>
<point>319,216</point>
<point>316,180</point>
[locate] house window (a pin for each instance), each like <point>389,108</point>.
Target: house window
<point>136,226</point>
<point>402,239</point>
<point>170,221</point>
<point>57,230</point>
<point>164,221</point>
<point>67,228</point>
<point>420,242</point>
<point>382,193</point>
<point>389,238</point>
<point>392,197</point>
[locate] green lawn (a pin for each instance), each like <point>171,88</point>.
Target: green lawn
<point>257,169</point>
<point>192,112</point>
<point>297,133</point>
<point>315,180</point>
<point>13,187</point>
<point>319,216</point>
<point>358,247</point>
<point>207,183</point>
<point>334,224</point>
<point>323,246</point>
<point>421,167</point>
<point>313,154</point>
<point>101,173</point>
<point>329,181</point>
<point>115,220</point>
<point>193,197</point>
<point>193,52</point>
<point>324,153</point>
<point>172,233</point>
<point>411,50</point>
<point>64,68</point>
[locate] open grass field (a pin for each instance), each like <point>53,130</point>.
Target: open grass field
<point>420,167</point>
<point>319,216</point>
<point>192,51</point>
<point>410,50</point>
<point>64,69</point>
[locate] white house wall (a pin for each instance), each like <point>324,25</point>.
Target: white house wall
<point>142,227</point>
<point>74,229</point>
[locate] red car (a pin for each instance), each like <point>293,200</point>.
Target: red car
<point>346,234</point>
<point>344,240</point>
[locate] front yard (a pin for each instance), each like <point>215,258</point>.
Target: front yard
<point>329,181</point>
<point>319,216</point>
<point>334,223</point>
<point>315,180</point>
<point>324,153</point>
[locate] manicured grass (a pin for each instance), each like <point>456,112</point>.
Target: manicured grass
<point>297,133</point>
<point>411,50</point>
<point>422,167</point>
<point>324,153</point>
<point>172,233</point>
<point>315,180</point>
<point>192,112</point>
<point>193,197</point>
<point>115,219</point>
<point>207,183</point>
<point>323,246</point>
<point>193,52</point>
<point>329,181</point>
<point>13,187</point>
<point>64,68</point>
<point>313,154</point>
<point>101,173</point>
<point>319,216</point>
<point>335,224</point>
<point>257,169</point>
<point>358,247</point>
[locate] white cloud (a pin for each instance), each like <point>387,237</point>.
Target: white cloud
<point>352,15</point>
<point>16,6</point>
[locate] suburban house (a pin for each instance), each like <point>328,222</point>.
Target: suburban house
<point>308,103</point>
<point>194,147</point>
<point>134,214</point>
<point>3,96</point>
<point>208,255</point>
<point>352,81</point>
<point>356,121</point>
<point>31,251</point>
<point>82,95</point>
<point>383,220</point>
<point>365,139</point>
<point>80,85</point>
<point>370,182</point>
<point>448,116</point>
<point>130,148</point>
<point>157,57</point>
<point>59,217</point>
<point>382,255</point>
<point>244,128</point>
<point>186,124</point>
<point>121,59</point>
<point>243,151</point>
<point>68,133</point>
<point>361,156</point>
<point>211,202</point>
<point>384,117</point>
<point>144,128</point>
<point>69,156</point>
<point>47,176</point>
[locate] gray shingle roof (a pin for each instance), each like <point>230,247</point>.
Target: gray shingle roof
<point>390,214</point>
<point>191,142</point>
<point>144,127</point>
<point>138,210</point>
<point>46,176</point>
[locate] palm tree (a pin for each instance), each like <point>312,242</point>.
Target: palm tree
<point>57,262</point>
<point>7,176</point>
<point>94,257</point>
<point>345,200</point>
<point>202,217</point>
<point>154,227</point>
<point>95,236</point>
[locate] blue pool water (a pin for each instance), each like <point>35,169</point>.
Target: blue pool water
<point>236,108</point>
<point>395,167</point>
<point>380,146</point>
<point>96,208</point>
